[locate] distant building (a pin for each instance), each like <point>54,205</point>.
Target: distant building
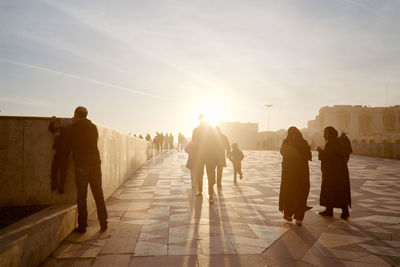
<point>270,140</point>
<point>244,134</point>
<point>363,124</point>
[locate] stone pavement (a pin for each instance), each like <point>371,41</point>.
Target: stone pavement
<point>155,220</point>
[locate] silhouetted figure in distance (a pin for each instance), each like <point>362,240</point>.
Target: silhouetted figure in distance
<point>166,141</point>
<point>59,166</point>
<point>148,137</point>
<point>190,164</point>
<point>236,156</point>
<point>180,141</point>
<point>335,187</point>
<point>224,149</point>
<point>347,145</point>
<point>171,141</point>
<point>161,141</point>
<point>295,182</point>
<point>156,141</point>
<point>82,139</point>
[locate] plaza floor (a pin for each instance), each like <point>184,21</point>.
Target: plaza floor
<point>154,220</point>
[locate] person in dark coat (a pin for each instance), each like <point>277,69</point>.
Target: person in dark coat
<point>83,138</point>
<point>190,165</point>
<point>224,149</point>
<point>59,166</point>
<point>236,156</point>
<point>205,142</point>
<point>335,187</point>
<point>295,183</point>
<point>347,145</point>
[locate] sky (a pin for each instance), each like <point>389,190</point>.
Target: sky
<point>146,66</point>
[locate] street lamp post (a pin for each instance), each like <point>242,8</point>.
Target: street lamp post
<point>268,106</point>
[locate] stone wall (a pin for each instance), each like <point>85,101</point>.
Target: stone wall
<point>385,150</point>
<point>26,155</point>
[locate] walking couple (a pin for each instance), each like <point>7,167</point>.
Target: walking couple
<point>209,148</point>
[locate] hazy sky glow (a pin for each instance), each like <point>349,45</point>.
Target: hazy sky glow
<point>142,66</point>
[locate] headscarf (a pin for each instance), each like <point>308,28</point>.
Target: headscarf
<point>296,140</point>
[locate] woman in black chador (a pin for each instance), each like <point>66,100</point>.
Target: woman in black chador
<point>295,184</point>
<point>335,187</point>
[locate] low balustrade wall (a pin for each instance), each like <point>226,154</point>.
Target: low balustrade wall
<point>26,155</point>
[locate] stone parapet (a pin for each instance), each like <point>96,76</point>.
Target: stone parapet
<point>26,155</point>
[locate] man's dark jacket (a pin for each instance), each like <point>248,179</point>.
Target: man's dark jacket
<point>83,138</point>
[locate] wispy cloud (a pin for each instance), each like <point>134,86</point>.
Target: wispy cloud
<point>73,76</point>
<point>24,101</point>
<point>363,6</point>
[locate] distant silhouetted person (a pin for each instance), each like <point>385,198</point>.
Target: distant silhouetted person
<point>295,183</point>
<point>83,138</point>
<point>180,141</point>
<point>205,142</point>
<point>236,156</point>
<point>166,141</point>
<point>335,187</point>
<point>224,149</point>
<point>171,141</point>
<point>160,141</point>
<point>347,145</point>
<point>157,141</point>
<point>59,167</point>
<point>190,164</point>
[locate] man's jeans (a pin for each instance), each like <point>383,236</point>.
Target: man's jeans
<point>210,169</point>
<point>84,176</point>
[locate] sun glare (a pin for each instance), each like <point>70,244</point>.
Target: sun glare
<point>212,108</point>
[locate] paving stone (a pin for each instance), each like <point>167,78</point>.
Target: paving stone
<point>72,250</point>
<point>148,248</point>
<point>217,245</point>
<point>120,260</point>
<point>53,262</point>
<point>123,239</point>
<point>230,261</point>
<point>170,261</point>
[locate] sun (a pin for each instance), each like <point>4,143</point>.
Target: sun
<point>212,109</point>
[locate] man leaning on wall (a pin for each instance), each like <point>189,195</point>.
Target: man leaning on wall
<point>82,139</point>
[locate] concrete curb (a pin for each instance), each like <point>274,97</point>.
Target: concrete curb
<point>31,240</point>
